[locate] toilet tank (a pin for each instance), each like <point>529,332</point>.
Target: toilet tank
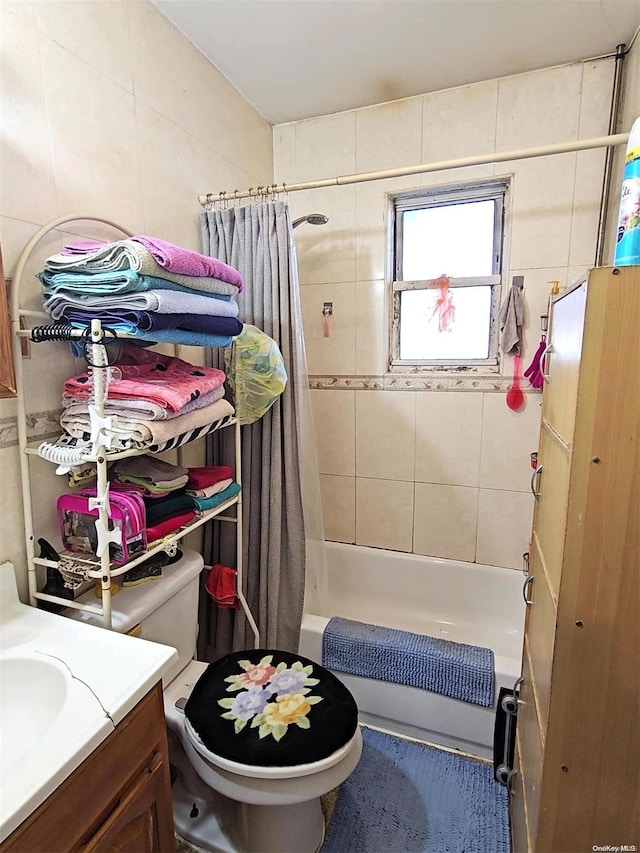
<point>162,611</point>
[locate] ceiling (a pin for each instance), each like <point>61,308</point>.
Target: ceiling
<point>294,59</point>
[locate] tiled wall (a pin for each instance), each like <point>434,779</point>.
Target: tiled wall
<point>107,109</point>
<point>443,471</point>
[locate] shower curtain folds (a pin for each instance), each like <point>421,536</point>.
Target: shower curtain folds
<point>279,467</point>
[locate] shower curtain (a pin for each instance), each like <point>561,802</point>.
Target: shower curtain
<point>283,532</point>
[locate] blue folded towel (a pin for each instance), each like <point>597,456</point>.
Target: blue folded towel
<point>148,321</point>
<point>120,281</point>
<point>158,301</point>
<point>216,500</point>
<point>452,669</point>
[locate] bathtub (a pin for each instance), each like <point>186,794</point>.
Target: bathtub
<point>463,602</point>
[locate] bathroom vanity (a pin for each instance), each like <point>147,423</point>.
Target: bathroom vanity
<point>83,755</point>
<point>118,799</point>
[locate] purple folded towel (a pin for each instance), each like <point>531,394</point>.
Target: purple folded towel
<point>184,261</point>
<point>171,257</point>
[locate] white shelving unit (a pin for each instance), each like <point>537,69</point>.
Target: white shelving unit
<point>100,455</point>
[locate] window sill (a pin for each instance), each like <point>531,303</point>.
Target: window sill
<point>488,368</point>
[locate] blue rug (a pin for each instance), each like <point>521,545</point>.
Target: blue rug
<point>387,654</point>
<point>404,797</point>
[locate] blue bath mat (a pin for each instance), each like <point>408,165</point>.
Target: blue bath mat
<point>387,654</point>
<point>405,797</point>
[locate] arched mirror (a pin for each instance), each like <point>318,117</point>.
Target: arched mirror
<point>7,372</point>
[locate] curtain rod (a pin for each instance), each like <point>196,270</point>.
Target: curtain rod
<point>442,165</point>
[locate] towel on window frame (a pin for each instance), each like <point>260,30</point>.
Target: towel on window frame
<point>511,320</point>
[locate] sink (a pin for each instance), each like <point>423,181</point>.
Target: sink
<point>33,692</point>
<point>50,721</point>
<point>64,687</point>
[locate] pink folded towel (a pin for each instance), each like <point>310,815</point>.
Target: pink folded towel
<point>149,375</point>
<point>208,475</point>
<point>184,261</point>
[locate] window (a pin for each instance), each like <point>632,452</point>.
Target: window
<point>456,232</point>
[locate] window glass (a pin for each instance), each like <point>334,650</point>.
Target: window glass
<point>468,337</point>
<point>453,239</point>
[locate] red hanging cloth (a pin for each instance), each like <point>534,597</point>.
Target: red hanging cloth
<point>444,307</point>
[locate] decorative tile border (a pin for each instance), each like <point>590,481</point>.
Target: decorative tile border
<point>8,432</point>
<point>411,382</point>
<point>348,383</point>
<point>40,426</point>
<point>43,425</point>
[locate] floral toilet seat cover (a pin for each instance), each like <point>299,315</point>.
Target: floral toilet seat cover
<point>271,709</point>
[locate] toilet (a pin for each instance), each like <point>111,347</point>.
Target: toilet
<point>242,779</point>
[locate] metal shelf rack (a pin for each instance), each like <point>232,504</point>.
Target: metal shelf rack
<point>100,456</point>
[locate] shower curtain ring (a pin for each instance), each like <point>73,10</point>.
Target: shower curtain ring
<point>235,198</point>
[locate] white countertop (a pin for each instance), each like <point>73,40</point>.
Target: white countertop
<point>77,682</point>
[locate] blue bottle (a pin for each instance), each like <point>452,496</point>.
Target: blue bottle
<point>627,250</point>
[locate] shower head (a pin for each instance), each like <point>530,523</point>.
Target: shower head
<point>312,219</point>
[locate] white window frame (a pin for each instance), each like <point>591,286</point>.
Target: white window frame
<point>398,203</point>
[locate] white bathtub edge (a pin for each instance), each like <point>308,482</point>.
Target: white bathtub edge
<point>413,712</point>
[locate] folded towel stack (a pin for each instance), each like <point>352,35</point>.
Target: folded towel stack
<point>148,476</point>
<point>165,513</point>
<point>151,398</point>
<point>211,486</point>
<point>145,287</point>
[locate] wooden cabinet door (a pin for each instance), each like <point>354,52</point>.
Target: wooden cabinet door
<point>530,752</point>
<point>550,518</point>
<point>137,825</point>
<point>551,485</point>
<point>562,364</point>
<point>580,765</point>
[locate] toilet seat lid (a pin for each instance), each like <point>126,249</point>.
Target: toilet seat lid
<point>251,770</point>
<point>268,708</point>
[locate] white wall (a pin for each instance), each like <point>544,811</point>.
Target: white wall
<point>428,465</point>
<point>106,109</point>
